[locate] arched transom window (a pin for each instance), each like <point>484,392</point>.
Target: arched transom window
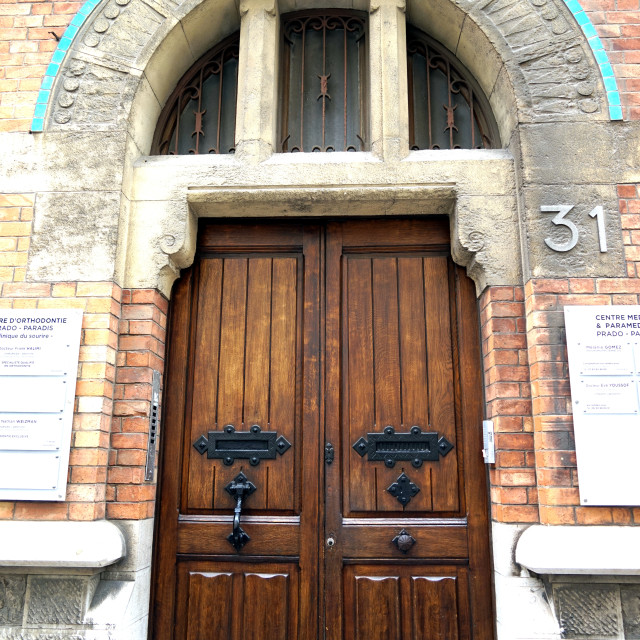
<point>447,110</point>
<point>324,99</point>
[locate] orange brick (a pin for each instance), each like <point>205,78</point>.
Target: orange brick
<point>85,492</point>
<point>558,496</point>
<point>63,290</point>
<point>95,289</point>
<point>87,511</point>
<point>135,493</point>
<point>594,515</point>
<point>16,200</point>
<point>129,441</point>
<point>132,457</point>
<point>6,510</point>
<point>40,511</point>
<point>557,515</point>
<point>88,457</point>
<point>129,511</point>
<point>515,513</point>
<point>24,290</point>
<point>88,475</point>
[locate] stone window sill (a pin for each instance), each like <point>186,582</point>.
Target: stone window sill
<point>568,550</point>
<point>70,545</point>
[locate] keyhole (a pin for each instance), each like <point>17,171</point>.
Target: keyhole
<point>330,542</point>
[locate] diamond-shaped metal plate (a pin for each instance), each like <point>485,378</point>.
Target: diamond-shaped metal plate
<point>282,444</point>
<point>360,446</point>
<point>403,489</point>
<point>201,445</point>
<point>444,446</point>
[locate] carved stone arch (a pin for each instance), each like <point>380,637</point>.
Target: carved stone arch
<point>529,56</point>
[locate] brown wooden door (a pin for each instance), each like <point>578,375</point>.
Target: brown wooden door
<point>321,337</point>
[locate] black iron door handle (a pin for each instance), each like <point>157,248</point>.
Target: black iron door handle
<point>239,488</point>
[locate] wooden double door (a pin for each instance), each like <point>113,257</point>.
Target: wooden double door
<point>324,388</point>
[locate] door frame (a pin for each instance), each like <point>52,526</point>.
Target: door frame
<point>470,369</point>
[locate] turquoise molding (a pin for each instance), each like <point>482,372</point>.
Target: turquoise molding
<point>606,70</point>
<point>599,53</point>
<point>64,45</point>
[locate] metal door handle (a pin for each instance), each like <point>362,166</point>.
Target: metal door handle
<point>239,488</point>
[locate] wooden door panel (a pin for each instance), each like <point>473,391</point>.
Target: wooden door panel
<point>405,603</point>
<point>245,362</point>
<point>232,601</point>
<point>271,536</point>
<point>372,538</point>
<point>398,373</point>
<point>335,330</point>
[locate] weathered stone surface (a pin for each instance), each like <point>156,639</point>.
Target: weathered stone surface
<point>586,258</point>
<point>92,92</point>
<point>554,153</point>
<point>550,52</point>
<point>56,600</point>
<point>588,611</point>
<point>74,236</point>
<point>12,589</point>
<point>61,161</point>
<point>630,598</point>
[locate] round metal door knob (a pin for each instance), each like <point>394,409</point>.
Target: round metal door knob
<point>404,541</point>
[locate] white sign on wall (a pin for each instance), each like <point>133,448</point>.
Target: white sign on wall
<point>38,370</point>
<point>603,343</point>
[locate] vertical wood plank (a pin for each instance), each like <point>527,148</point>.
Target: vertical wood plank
<point>284,362</point>
<point>210,606</point>
<point>434,608</point>
<point>266,598</point>
<point>232,343</point>
<point>231,368</point>
<point>377,604</point>
<point>441,382</point>
<point>413,356</point>
<point>360,374</point>
<point>386,344</point>
<point>257,368</point>
<point>387,368</point>
<point>205,392</point>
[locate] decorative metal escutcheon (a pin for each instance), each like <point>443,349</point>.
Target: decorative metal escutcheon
<point>414,446</point>
<point>404,541</point>
<point>239,489</point>
<point>403,489</point>
<point>254,445</point>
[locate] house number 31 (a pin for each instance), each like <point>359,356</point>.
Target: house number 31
<point>559,220</point>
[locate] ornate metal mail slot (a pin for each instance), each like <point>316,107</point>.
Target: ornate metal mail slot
<point>413,446</point>
<point>254,445</point>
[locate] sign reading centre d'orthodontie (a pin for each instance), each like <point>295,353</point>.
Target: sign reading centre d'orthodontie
<point>38,369</point>
<point>603,344</point>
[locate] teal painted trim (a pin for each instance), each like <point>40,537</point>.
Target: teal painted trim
<point>606,70</point>
<point>37,124</point>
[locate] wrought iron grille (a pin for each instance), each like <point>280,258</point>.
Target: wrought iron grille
<point>200,115</point>
<point>324,73</point>
<point>447,110</point>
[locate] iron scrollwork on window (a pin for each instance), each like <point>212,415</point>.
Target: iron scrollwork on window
<point>324,70</point>
<point>447,109</point>
<point>200,115</point>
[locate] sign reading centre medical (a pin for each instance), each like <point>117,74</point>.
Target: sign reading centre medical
<point>38,369</point>
<point>604,369</point>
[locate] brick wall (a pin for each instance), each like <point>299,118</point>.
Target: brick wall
<point>618,25</point>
